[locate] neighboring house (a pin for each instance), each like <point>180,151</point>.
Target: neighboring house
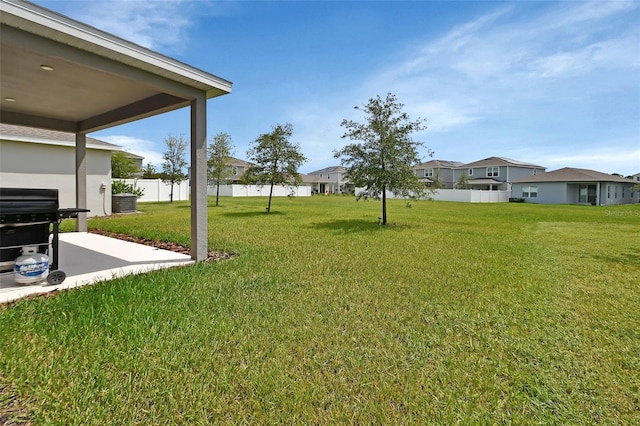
<point>636,178</point>
<point>576,186</point>
<point>235,188</point>
<point>329,180</point>
<point>238,168</point>
<point>495,173</point>
<point>136,159</point>
<point>37,158</point>
<point>440,171</point>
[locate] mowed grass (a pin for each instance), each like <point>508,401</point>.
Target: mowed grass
<point>453,314</point>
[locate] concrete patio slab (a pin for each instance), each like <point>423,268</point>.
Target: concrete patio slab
<point>87,258</point>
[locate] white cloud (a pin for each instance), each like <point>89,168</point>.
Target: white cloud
<point>621,53</point>
<point>503,64</point>
<point>483,77</point>
<point>155,24</point>
<point>495,70</point>
<point>609,156</point>
<point>577,15</point>
<point>152,24</point>
<point>137,146</point>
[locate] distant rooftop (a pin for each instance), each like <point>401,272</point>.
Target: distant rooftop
<point>570,174</point>
<point>440,164</point>
<point>331,169</point>
<point>32,134</point>
<point>500,161</point>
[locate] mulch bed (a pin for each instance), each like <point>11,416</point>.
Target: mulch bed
<point>213,256</point>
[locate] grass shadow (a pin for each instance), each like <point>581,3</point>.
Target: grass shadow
<point>345,226</point>
<point>632,258</point>
<point>251,214</point>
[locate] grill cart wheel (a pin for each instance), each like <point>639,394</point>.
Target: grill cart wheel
<point>56,277</point>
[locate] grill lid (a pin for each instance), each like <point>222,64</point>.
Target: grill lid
<point>27,204</point>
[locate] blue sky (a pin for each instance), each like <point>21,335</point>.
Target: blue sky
<point>551,83</point>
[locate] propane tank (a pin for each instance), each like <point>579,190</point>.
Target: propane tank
<point>31,267</point>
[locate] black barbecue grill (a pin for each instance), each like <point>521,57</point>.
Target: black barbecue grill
<point>26,219</point>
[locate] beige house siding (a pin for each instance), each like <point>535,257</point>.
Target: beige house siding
<point>329,180</point>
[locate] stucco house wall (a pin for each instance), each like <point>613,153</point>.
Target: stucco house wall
<point>616,193</point>
<point>52,166</point>
<point>548,193</point>
<point>563,186</point>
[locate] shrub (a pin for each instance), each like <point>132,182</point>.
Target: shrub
<point>121,187</point>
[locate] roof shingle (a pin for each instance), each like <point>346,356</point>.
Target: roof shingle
<point>8,131</point>
<point>571,174</point>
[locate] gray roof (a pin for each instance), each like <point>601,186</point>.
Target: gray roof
<point>484,181</point>
<point>33,134</point>
<point>237,162</point>
<point>570,174</point>
<point>439,164</point>
<point>331,169</point>
<point>499,161</point>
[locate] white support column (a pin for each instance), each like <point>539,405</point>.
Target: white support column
<point>199,243</point>
<point>81,180</point>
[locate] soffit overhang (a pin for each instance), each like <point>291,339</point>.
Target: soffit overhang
<point>98,80</point>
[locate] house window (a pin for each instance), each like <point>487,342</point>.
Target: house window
<point>615,192</point>
<point>582,193</point>
<point>587,194</point>
<point>535,172</point>
<point>529,191</point>
<point>328,176</point>
<point>608,191</point>
<point>428,172</point>
<point>493,171</point>
<point>470,172</point>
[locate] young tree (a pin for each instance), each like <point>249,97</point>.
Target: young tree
<point>463,182</point>
<point>275,160</point>
<point>218,161</point>
<point>122,166</point>
<point>174,162</point>
<point>149,172</point>
<point>384,160</point>
<point>436,182</point>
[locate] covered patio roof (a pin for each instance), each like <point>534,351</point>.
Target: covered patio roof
<point>61,74</point>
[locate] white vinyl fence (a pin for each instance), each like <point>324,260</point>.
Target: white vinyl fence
<point>472,196</point>
<point>157,190</point>
<point>467,196</point>
<point>236,190</point>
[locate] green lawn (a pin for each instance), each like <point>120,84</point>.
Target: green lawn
<point>455,313</point>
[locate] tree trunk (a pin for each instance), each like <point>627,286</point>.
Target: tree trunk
<point>217,192</point>
<point>171,194</point>
<point>270,193</point>
<point>384,205</point>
